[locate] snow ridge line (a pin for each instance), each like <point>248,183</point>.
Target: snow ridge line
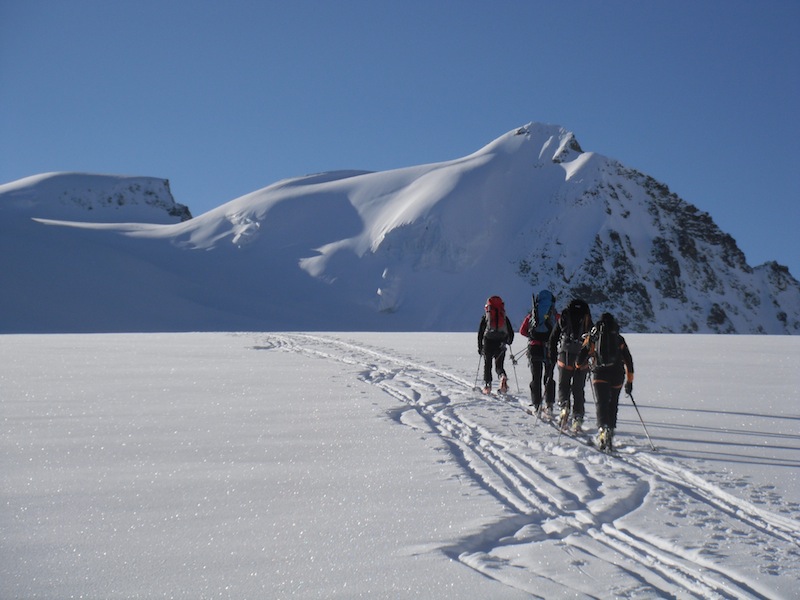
<point>555,509</point>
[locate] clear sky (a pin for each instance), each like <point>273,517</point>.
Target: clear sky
<point>226,97</point>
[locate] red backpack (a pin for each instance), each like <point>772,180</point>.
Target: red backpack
<point>496,328</point>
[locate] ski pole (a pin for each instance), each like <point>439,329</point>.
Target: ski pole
<point>594,394</point>
<point>514,365</point>
<point>477,372</point>
<point>642,421</point>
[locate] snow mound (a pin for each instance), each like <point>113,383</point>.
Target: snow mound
<point>92,198</point>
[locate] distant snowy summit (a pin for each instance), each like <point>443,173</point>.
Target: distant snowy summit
<point>93,198</point>
<point>412,249</point>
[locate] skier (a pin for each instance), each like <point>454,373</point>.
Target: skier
<point>565,343</point>
<point>494,333</point>
<point>613,365</point>
<point>538,324</point>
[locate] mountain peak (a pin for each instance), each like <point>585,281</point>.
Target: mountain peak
<point>557,144</point>
<point>412,249</point>
<point>548,143</point>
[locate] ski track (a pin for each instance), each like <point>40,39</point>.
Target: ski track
<point>560,492</point>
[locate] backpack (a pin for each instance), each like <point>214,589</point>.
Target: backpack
<point>575,321</point>
<point>543,313</point>
<point>606,341</point>
<point>496,328</point>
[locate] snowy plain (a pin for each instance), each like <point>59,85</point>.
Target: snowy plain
<point>363,465</point>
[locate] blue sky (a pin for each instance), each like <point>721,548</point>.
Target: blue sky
<point>224,98</point>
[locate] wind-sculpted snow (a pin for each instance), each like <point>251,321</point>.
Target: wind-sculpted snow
<point>570,509</point>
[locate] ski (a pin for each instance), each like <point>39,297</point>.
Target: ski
<point>492,394</point>
<point>539,413</point>
<point>581,436</point>
<point>588,440</point>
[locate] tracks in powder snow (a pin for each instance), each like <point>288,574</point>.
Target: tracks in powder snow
<point>572,504</point>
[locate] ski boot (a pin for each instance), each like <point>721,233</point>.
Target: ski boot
<point>605,440</point>
<point>487,388</point>
<point>547,412</point>
<point>503,384</point>
<point>602,437</point>
<point>577,424</point>
<point>563,418</point>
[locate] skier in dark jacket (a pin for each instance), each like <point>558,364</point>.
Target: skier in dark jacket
<point>492,343</point>
<point>538,335</point>
<point>565,343</point>
<point>608,374</point>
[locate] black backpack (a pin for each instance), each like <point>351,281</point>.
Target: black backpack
<point>575,322</point>
<point>606,341</point>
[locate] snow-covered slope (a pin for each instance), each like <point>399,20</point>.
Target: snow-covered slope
<point>418,248</point>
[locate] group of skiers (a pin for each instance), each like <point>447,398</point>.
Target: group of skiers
<point>574,343</point>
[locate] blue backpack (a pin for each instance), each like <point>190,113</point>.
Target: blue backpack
<point>543,313</point>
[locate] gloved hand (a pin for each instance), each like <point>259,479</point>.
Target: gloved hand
<point>480,350</point>
<point>628,387</point>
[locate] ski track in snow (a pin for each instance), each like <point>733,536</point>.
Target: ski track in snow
<point>578,501</point>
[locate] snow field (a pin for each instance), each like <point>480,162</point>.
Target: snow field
<point>363,465</point>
